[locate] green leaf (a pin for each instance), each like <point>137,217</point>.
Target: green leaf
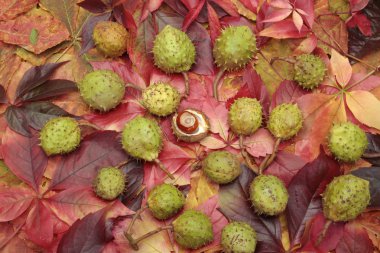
<point>33,37</point>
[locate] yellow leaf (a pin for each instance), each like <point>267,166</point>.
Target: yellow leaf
<point>365,107</point>
<point>201,190</point>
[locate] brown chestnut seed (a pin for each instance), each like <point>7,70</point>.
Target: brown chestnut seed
<point>190,125</point>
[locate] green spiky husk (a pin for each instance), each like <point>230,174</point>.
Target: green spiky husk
<point>173,51</point>
<point>193,229</point>
<point>109,183</point>
<point>245,116</point>
<point>142,138</point>
<point>268,195</point>
<point>164,201</point>
<point>102,90</point>
<point>110,38</point>
<point>285,121</point>
<point>309,71</point>
<point>238,237</point>
<point>234,48</point>
<point>345,198</point>
<point>161,99</point>
<point>347,142</point>
<point>60,136</point>
<point>222,167</point>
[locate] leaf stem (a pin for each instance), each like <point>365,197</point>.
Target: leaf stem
<point>187,87</point>
<point>245,155</point>
<point>89,125</point>
<point>324,232</point>
<point>131,85</point>
<point>371,155</point>
<point>134,242</point>
<point>272,67</point>
<point>122,164</point>
<point>216,82</point>
<point>269,158</point>
<point>163,168</point>
<point>135,216</point>
<point>364,78</point>
<point>288,60</point>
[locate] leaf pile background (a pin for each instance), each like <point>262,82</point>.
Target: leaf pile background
<point>46,47</point>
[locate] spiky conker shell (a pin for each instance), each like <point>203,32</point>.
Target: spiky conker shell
<point>60,136</point>
<point>245,116</point>
<point>173,51</point>
<point>285,121</point>
<point>165,200</point>
<point>222,167</point>
<point>347,142</point>
<point>102,90</point>
<point>109,183</point>
<point>110,38</point>
<point>193,229</point>
<point>234,48</point>
<point>142,138</point>
<point>309,71</point>
<point>345,198</point>
<point>161,99</point>
<point>268,195</point>
<point>238,237</point>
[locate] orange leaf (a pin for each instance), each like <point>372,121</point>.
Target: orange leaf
<point>365,107</point>
<point>10,9</point>
<point>341,68</point>
<point>50,31</point>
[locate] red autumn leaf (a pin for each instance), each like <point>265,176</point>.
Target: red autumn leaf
<point>13,202</point>
<point>11,9</point>
<point>217,114</point>
<point>331,239</point>
<point>75,203</point>
<point>215,28</point>
<point>357,5</point>
<point>150,6</point>
<point>192,14</point>
<point>217,219</point>
<point>304,194</point>
<point>94,6</point>
<point>287,92</point>
<point>260,143</point>
<point>175,160</point>
<point>39,224</point>
<point>362,22</point>
<point>283,30</point>
<point>79,168</point>
<point>319,112</point>
<point>24,157</point>
<point>50,31</point>
<point>307,46</point>
<point>285,166</point>
<point>355,239</point>
<point>253,88</point>
<point>117,118</point>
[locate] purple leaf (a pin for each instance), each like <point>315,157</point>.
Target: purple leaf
<point>135,176</point>
<point>49,89</point>
<point>87,41</point>
<point>24,157</point>
<point>88,235</point>
<point>17,121</point>
<point>234,203</point>
<point>79,168</point>
<point>34,77</point>
<point>304,193</point>
<point>371,174</point>
<point>94,6</point>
